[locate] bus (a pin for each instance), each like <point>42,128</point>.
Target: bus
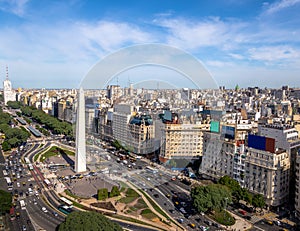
<point>26,160</point>
<point>5,173</point>
<point>30,167</point>
<point>66,201</point>
<point>22,204</point>
<point>47,182</point>
<point>9,183</point>
<point>65,209</point>
<point>12,213</point>
<point>153,170</point>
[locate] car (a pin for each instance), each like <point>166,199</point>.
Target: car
<point>217,225</point>
<point>192,225</point>
<point>203,228</point>
<point>44,209</point>
<point>34,201</point>
<point>180,220</point>
<point>156,195</point>
<point>187,216</point>
<point>18,184</point>
<point>24,227</point>
<point>55,214</point>
<point>208,222</point>
<point>276,222</point>
<point>269,222</point>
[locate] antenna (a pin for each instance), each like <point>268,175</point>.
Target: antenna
<point>6,72</point>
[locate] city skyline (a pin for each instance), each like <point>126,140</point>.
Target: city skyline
<point>246,43</point>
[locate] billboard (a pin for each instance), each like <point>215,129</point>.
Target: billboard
<point>228,132</point>
<point>215,126</point>
<point>257,142</point>
<point>261,143</point>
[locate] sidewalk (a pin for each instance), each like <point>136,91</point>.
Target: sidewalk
<point>240,224</point>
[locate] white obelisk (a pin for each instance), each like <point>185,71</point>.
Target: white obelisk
<point>80,156</point>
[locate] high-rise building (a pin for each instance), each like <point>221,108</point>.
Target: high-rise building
<point>8,92</point>
<point>181,141</point>
<point>80,156</point>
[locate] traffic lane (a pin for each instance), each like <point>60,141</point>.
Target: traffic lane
<point>46,220</point>
<point>133,227</point>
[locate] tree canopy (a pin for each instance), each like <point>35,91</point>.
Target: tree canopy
<point>211,197</point>
<point>5,201</point>
<point>88,221</point>
<point>239,193</point>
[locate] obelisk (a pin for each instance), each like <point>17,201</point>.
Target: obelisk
<point>80,156</point>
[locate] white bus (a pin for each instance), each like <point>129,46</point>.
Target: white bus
<point>66,201</point>
<point>5,173</point>
<point>153,170</point>
<point>9,183</point>
<point>30,167</point>
<point>22,203</point>
<point>47,182</point>
<point>26,160</point>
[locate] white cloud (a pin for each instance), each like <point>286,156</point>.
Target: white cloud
<point>16,7</point>
<point>236,56</point>
<point>192,35</point>
<point>111,35</point>
<point>274,53</point>
<point>68,50</point>
<point>218,64</point>
<point>281,5</point>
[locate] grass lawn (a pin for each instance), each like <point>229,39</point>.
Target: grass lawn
<point>54,151</point>
<point>223,217</point>
<point>147,213</point>
<point>140,204</point>
<point>130,196</point>
<point>127,200</point>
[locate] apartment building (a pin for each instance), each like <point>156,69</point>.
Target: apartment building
<point>268,174</point>
<point>133,130</point>
<point>260,168</point>
<point>182,141</point>
<point>218,155</point>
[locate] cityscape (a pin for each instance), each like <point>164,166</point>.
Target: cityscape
<point>161,144</point>
<point>149,116</point>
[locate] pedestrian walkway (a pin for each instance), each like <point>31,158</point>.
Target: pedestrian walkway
<point>240,223</point>
<point>255,219</point>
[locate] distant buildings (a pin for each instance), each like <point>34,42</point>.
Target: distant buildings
<point>249,134</point>
<point>8,93</point>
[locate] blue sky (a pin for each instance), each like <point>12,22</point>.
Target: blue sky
<point>53,44</point>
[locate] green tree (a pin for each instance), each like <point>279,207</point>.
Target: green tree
<point>211,197</point>
<point>102,194</point>
<point>258,201</point>
<point>14,104</point>
<point>236,189</point>
<point>6,146</point>
<point>114,191</point>
<point>88,221</point>
<point>5,201</point>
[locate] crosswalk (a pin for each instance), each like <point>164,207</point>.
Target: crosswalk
<point>255,219</point>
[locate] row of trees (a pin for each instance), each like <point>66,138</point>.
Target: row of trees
<point>239,193</point>
<point>51,123</point>
<point>5,201</point>
<point>91,221</point>
<point>211,197</point>
<point>215,197</point>
<point>14,137</point>
<point>104,194</point>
